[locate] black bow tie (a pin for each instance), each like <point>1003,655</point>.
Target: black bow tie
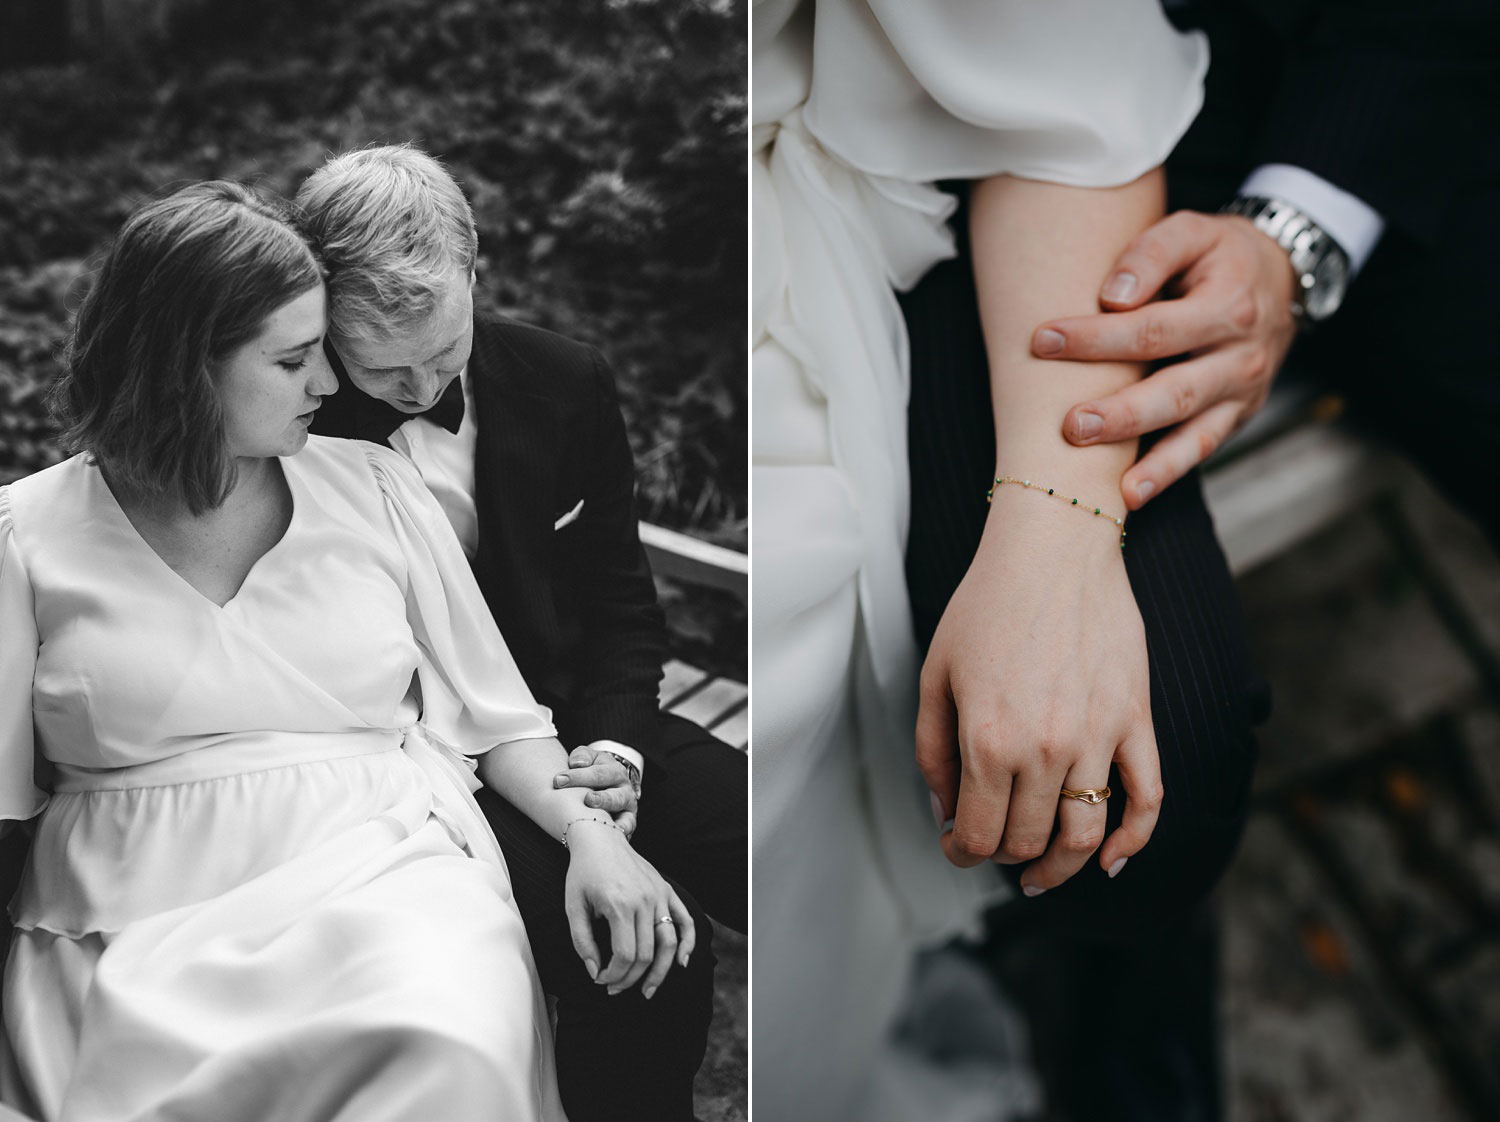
<point>373,419</point>
<point>448,410</point>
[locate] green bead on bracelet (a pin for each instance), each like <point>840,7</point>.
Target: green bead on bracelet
<point>989,496</point>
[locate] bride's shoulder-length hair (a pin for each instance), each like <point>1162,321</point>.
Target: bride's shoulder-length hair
<point>192,276</point>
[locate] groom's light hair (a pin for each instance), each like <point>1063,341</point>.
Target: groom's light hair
<point>396,233</point>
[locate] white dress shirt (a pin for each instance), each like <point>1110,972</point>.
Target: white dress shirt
<point>1348,219</point>
<point>445,460</point>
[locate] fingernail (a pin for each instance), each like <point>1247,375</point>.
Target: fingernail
<point>590,800</point>
<point>1088,425</point>
<point>937,809</point>
<point>1114,870</point>
<point>1049,342</point>
<point>1145,489</point>
<point>613,990</point>
<point>647,992</point>
<point>559,781</point>
<point>592,967</point>
<point>1119,288</point>
<point>947,827</point>
<point>1032,890</point>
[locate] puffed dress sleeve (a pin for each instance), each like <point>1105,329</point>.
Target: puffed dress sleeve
<point>473,695</point>
<point>1089,93</point>
<point>20,797</point>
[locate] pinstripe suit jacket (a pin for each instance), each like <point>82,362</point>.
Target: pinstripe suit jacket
<point>576,603</point>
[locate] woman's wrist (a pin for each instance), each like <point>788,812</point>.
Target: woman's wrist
<point>1049,528</point>
<point>592,831</point>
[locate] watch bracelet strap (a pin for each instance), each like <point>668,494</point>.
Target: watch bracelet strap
<point>1296,233</point>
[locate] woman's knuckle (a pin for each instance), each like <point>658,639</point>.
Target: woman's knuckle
<point>1050,753</point>
<point>1084,840</point>
<point>1024,849</point>
<point>932,684</point>
<point>970,842</point>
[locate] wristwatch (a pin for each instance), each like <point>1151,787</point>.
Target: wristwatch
<point>1320,263</point>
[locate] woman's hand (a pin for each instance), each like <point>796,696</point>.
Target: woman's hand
<point>1037,680</point>
<point>608,880</point>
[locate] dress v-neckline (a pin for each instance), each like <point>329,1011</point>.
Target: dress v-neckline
<point>113,505</point>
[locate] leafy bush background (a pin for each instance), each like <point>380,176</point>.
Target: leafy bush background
<point>602,146</point>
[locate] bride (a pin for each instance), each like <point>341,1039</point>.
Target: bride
<point>1037,682</point>
<point>262,681</point>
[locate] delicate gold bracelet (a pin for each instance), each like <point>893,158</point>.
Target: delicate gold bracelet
<point>989,497</point>
<point>601,821</point>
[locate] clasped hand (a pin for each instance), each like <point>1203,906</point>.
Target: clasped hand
<point>1037,680</point>
<point>607,782</point>
<point>1229,312</point>
<point>609,881</point>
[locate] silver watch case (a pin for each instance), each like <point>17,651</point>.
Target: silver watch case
<point>1320,263</point>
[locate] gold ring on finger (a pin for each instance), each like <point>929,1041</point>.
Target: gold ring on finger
<point>1091,795</point>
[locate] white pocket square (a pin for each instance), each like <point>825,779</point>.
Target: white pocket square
<point>571,516</point>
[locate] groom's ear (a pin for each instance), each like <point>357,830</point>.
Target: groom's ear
<point>472,275</point>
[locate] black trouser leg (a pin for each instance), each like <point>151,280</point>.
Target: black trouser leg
<point>621,1057</point>
<point>694,809</point>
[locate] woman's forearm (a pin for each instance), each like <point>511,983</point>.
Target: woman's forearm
<point>1041,251</point>
<point>522,772</point>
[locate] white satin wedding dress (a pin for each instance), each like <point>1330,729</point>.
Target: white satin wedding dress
<point>859,106</point>
<point>260,887</point>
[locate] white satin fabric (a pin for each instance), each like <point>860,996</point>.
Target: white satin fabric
<point>260,886</point>
<point>859,105</point>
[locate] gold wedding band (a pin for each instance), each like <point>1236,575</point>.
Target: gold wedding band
<point>1090,795</point>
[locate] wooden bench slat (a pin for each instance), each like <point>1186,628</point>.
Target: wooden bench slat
<point>734,729</point>
<point>1275,496</point>
<point>679,555</point>
<point>711,703</point>
<point>678,679</point>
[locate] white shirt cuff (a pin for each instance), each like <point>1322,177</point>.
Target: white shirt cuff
<point>1348,219</point>
<point>625,752</point>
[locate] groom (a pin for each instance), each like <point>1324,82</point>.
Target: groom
<point>1354,148</point>
<point>1339,190</point>
<point>518,434</point>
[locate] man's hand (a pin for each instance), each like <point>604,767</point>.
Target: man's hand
<point>608,783</point>
<point>1229,311</point>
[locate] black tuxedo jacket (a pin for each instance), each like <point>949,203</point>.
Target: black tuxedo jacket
<point>1392,100</point>
<point>576,604</point>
